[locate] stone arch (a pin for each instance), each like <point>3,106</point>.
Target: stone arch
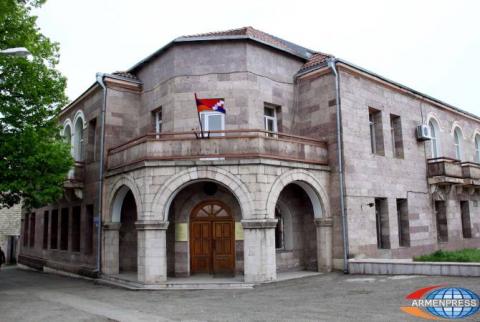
<point>78,136</point>
<point>476,133</point>
<point>310,184</point>
<point>456,125</point>
<point>67,123</point>
<point>79,115</point>
<point>117,194</point>
<point>164,196</point>
<point>432,116</point>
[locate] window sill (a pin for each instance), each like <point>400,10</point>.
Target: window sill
<point>282,250</point>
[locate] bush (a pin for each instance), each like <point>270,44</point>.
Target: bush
<point>464,255</point>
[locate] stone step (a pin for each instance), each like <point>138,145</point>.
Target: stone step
<point>194,285</point>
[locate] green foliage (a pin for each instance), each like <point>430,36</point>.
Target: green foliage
<point>33,158</point>
<point>464,255</point>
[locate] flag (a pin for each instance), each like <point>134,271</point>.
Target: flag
<point>210,104</point>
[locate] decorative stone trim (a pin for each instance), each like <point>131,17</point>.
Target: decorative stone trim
<point>111,226</point>
<point>324,222</point>
<point>151,225</point>
<point>259,224</point>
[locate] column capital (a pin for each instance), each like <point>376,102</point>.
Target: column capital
<point>259,223</point>
<point>324,222</point>
<point>111,225</point>
<point>151,225</point>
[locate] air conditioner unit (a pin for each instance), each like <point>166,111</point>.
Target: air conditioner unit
<point>423,133</point>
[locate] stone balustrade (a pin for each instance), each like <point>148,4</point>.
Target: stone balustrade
<point>218,145</point>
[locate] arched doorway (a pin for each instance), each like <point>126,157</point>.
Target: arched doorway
<point>212,239</point>
<point>120,237</point>
<point>295,233</point>
<point>199,210</point>
<point>128,235</point>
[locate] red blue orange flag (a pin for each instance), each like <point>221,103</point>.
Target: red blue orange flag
<point>210,104</point>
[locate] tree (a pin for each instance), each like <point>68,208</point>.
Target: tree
<point>34,160</point>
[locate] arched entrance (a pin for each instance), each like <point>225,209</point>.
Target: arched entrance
<point>120,235</point>
<point>204,234</point>
<point>295,232</point>
<point>212,239</point>
<point>128,235</point>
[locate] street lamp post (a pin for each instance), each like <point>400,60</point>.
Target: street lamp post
<point>17,51</point>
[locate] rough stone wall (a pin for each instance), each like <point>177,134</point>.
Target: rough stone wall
<point>315,116</point>
<point>246,75</point>
<point>370,176</point>
<point>10,223</point>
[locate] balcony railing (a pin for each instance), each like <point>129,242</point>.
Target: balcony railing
<point>447,171</point>
<point>75,176</point>
<point>218,145</point>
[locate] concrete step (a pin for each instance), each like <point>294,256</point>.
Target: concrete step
<point>184,285</point>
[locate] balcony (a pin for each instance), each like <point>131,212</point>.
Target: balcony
<point>471,173</point>
<point>444,171</point>
<point>75,176</point>
<point>218,145</point>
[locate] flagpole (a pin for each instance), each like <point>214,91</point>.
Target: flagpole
<point>199,119</point>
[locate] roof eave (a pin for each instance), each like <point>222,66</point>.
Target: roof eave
<point>406,88</point>
<point>91,88</point>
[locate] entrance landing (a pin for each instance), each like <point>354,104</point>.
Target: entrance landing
<point>195,282</point>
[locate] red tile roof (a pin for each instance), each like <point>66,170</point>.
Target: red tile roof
<point>315,60</point>
<point>255,34</point>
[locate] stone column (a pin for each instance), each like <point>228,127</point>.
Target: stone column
<point>110,259</point>
<point>152,251</point>
<point>259,250</point>
<point>324,243</point>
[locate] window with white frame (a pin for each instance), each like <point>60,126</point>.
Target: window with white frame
<point>435,141</point>
<point>457,137</point>
<point>78,147</point>
<point>67,134</point>
<point>213,121</point>
<point>270,118</point>
<point>157,120</point>
<point>477,148</point>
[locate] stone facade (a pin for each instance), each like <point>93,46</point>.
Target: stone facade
<point>10,231</point>
<point>274,197</point>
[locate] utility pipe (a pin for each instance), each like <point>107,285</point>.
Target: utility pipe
<point>332,63</point>
<point>100,77</point>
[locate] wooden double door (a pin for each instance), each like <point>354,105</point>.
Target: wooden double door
<point>212,239</point>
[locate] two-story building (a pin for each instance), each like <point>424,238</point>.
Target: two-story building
<point>315,161</point>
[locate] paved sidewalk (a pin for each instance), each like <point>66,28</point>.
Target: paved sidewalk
<point>35,296</point>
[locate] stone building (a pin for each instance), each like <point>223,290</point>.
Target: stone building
<point>10,219</point>
<point>263,191</point>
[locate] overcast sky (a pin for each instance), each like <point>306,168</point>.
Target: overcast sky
<point>431,46</point>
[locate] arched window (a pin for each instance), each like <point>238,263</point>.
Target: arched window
<point>67,134</point>
<point>435,142</point>
<point>279,237</point>
<point>477,148</point>
<point>457,139</point>
<point>78,140</point>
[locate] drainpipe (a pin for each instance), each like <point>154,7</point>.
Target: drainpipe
<point>332,62</point>
<point>100,77</point>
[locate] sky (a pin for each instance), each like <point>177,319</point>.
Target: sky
<point>432,46</point>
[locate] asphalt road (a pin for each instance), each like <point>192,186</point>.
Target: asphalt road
<point>34,296</point>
